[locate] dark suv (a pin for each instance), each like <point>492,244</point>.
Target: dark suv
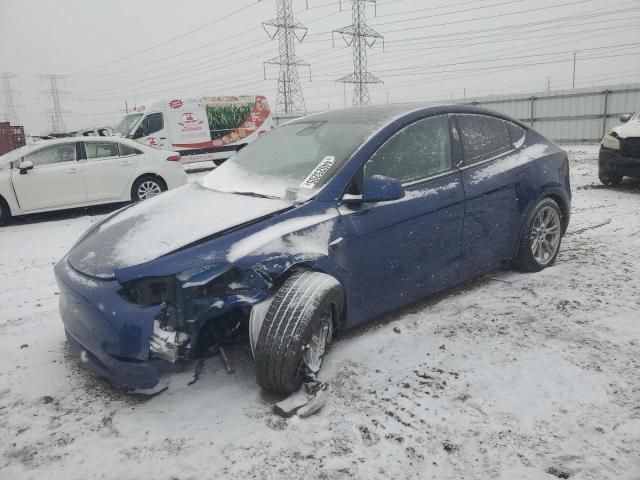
<point>620,151</point>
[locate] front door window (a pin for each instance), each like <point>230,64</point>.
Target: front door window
<point>417,152</point>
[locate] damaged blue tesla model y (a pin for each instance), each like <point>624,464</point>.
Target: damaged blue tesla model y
<point>327,222</point>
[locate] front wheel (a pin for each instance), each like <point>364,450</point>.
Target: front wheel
<point>542,237</point>
<point>297,330</point>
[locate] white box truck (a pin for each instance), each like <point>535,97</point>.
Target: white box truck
<point>199,128</point>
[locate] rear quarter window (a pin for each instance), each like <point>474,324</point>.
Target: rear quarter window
<point>126,150</point>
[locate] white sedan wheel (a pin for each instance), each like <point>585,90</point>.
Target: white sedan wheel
<point>148,189</point>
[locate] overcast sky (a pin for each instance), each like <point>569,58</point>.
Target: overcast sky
<point>434,50</point>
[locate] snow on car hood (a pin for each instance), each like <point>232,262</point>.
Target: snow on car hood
<point>629,129</point>
<point>163,224</point>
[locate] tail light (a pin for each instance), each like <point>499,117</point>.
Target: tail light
<point>174,158</point>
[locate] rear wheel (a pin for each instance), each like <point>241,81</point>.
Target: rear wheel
<point>542,237</point>
<point>297,330</point>
<point>147,187</point>
<point>610,180</point>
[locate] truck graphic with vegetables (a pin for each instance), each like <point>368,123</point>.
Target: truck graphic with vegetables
<point>200,128</point>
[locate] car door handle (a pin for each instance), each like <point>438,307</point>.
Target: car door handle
<point>125,162</point>
<point>336,243</point>
<point>73,170</point>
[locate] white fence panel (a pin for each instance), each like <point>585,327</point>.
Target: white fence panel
<point>565,116</point>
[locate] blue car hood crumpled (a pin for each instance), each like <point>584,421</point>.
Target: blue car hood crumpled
<point>163,224</point>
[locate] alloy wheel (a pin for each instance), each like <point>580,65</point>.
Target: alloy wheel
<point>148,189</point>
<point>545,235</point>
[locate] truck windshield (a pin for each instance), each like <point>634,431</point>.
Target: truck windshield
<point>293,161</point>
<point>126,124</point>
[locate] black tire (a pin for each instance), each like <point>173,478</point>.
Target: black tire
<point>610,180</point>
<point>525,260</point>
<point>288,326</point>
<point>159,183</point>
<point>5,212</point>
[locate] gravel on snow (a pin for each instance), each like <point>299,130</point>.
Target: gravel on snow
<point>526,376</point>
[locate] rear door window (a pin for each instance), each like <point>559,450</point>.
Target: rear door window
<point>484,137</point>
<point>98,150</point>
<point>417,152</point>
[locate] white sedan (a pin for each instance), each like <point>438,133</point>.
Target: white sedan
<point>77,172</point>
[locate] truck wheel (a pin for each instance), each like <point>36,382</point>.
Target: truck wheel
<point>146,187</point>
<point>610,180</point>
<point>541,239</point>
<point>296,331</point>
<point>5,212</point>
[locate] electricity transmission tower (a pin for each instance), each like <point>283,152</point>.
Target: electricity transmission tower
<point>360,36</point>
<point>289,32</point>
<point>55,93</point>
<point>10,114</point>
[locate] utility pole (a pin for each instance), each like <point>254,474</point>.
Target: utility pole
<point>289,32</point>
<point>10,107</point>
<point>55,93</point>
<point>548,84</point>
<point>360,36</point>
<point>575,57</point>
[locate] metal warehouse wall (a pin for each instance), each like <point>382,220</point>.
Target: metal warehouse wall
<point>566,116</point>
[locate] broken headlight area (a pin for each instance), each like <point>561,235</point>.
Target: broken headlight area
<point>150,291</point>
<point>201,310</point>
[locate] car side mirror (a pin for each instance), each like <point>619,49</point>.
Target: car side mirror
<point>382,189</point>
<point>25,166</point>
<point>625,118</point>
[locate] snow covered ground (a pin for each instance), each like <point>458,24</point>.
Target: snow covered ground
<point>512,376</point>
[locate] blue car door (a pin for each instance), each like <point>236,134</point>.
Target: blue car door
<point>396,252</point>
<point>491,177</point>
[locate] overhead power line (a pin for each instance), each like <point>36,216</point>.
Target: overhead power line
<point>211,63</point>
<point>488,17</point>
<point>517,26</point>
<point>432,8</point>
<point>167,41</point>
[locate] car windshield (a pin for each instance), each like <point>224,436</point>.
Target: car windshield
<point>13,155</point>
<point>126,124</point>
<point>292,162</point>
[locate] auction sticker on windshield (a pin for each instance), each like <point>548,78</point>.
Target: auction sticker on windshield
<point>320,171</point>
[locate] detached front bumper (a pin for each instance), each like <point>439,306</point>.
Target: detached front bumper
<point>611,162</point>
<point>110,335</point>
